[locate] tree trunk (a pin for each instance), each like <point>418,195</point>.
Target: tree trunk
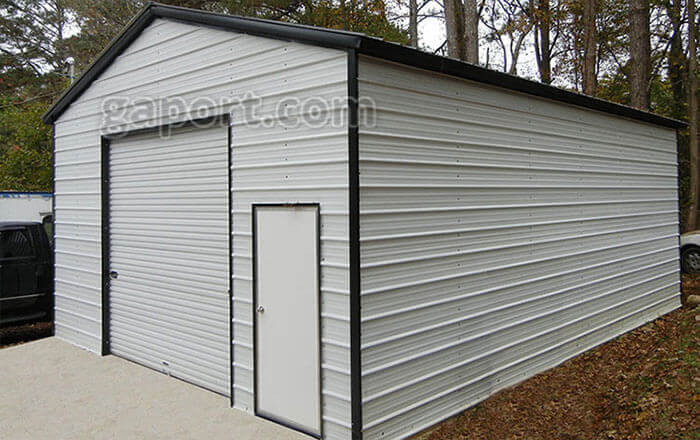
<point>471,31</point>
<point>543,52</point>
<point>589,48</point>
<point>454,26</point>
<point>344,15</point>
<point>691,223</point>
<point>640,54</point>
<point>413,22</point>
<point>676,59</point>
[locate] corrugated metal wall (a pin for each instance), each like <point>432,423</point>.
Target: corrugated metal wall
<point>274,161</point>
<point>500,235</point>
<point>298,163</point>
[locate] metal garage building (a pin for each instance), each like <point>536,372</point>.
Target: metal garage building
<point>347,236</point>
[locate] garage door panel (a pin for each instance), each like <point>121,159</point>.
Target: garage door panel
<point>199,309</point>
<point>166,228</point>
<point>182,173</point>
<point>169,264</point>
<point>193,351</point>
<point>165,177</point>
<point>177,220</point>
<point>174,322</point>
<point>172,155</point>
<point>191,199</point>
<point>179,302</point>
<point>203,261</point>
<point>169,244</point>
<point>203,298</point>
<point>195,281</point>
<point>150,356</point>
<point>155,190</point>
<point>192,337</point>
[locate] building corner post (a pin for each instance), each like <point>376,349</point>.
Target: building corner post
<point>354,237</point>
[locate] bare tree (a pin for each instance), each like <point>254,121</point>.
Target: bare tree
<point>461,24</point>
<point>590,47</point>
<point>691,223</point>
<point>542,17</point>
<point>454,28</point>
<point>413,22</point>
<point>471,31</point>
<point>676,57</point>
<point>640,54</point>
<point>508,23</point>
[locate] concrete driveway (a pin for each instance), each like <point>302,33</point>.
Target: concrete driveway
<point>50,389</point>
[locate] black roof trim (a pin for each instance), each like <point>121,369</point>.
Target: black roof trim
<point>340,40</point>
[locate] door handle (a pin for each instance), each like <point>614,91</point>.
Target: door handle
<point>260,309</point>
<point>114,274</point>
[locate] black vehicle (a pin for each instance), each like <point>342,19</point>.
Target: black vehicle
<point>26,273</point>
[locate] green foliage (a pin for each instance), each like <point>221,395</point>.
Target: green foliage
<point>24,169</point>
<point>25,147</point>
<point>33,59</point>
<point>102,20</point>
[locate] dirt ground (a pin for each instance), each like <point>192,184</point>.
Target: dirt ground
<point>18,334</point>
<point>643,385</point>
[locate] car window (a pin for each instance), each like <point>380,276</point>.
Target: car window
<point>15,243</point>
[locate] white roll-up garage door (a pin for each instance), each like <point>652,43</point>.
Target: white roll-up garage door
<point>169,253</point>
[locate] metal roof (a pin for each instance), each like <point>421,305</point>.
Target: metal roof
<point>344,40</point>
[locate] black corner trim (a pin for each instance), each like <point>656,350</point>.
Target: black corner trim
<point>354,220</point>
<point>53,229</point>
<point>680,216</point>
<point>229,145</point>
<point>339,40</point>
<point>104,177</point>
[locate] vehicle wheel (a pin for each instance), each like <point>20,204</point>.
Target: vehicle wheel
<point>690,260</point>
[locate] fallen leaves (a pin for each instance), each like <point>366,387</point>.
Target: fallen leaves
<point>643,385</point>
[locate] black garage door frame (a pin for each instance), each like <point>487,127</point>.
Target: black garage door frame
<point>105,142</point>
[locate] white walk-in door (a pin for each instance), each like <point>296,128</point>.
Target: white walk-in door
<point>287,368</point>
<point>169,253</point>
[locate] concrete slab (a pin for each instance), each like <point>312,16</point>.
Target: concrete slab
<point>51,389</point>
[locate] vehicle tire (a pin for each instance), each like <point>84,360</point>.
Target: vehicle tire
<point>690,259</point>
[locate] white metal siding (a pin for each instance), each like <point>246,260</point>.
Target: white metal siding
<point>297,164</point>
<point>169,306</point>
<point>500,235</point>
<point>271,163</point>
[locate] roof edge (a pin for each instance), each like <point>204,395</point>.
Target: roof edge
<point>340,40</point>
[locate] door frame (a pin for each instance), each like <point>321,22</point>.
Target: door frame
<point>254,241</point>
<point>223,120</point>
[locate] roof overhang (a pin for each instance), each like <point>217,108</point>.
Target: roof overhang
<point>344,40</point>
